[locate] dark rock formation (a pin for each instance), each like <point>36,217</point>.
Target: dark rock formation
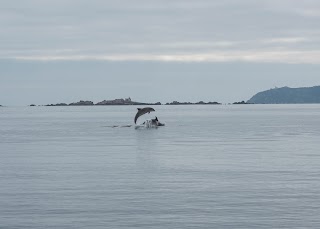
<point>127,101</point>
<point>189,103</point>
<point>116,102</point>
<point>58,104</point>
<point>82,103</point>
<point>178,103</point>
<point>32,105</point>
<point>242,102</point>
<point>286,95</point>
<point>213,103</point>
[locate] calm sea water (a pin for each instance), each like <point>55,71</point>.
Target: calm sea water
<point>245,166</point>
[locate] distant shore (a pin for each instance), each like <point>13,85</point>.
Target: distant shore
<point>125,102</point>
<point>283,95</point>
<point>114,102</point>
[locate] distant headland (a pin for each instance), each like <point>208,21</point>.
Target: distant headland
<point>287,95</point>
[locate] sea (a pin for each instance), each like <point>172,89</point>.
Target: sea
<point>210,166</point>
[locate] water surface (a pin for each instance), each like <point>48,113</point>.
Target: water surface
<point>244,166</point>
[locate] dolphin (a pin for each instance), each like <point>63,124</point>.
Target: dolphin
<point>142,111</point>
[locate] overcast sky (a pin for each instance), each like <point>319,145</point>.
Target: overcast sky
<point>155,50</point>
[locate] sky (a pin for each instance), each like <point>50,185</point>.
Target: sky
<point>55,51</point>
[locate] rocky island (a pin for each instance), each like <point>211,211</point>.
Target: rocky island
<point>58,104</point>
<point>189,103</point>
<point>81,103</point>
<point>287,95</point>
<point>126,101</point>
<point>242,102</point>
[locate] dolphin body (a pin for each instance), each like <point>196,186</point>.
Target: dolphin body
<point>142,111</point>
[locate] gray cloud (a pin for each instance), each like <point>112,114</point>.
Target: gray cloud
<point>36,29</point>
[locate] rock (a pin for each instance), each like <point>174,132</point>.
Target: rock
<point>189,103</point>
<point>58,104</point>
<point>126,101</point>
<point>82,103</point>
<point>214,103</point>
<point>242,102</point>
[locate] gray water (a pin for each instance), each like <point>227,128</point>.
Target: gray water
<point>240,166</point>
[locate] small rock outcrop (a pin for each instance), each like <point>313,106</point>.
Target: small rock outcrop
<point>126,101</point>
<point>189,103</point>
<point>116,102</point>
<point>58,104</point>
<point>82,103</point>
<point>242,102</point>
